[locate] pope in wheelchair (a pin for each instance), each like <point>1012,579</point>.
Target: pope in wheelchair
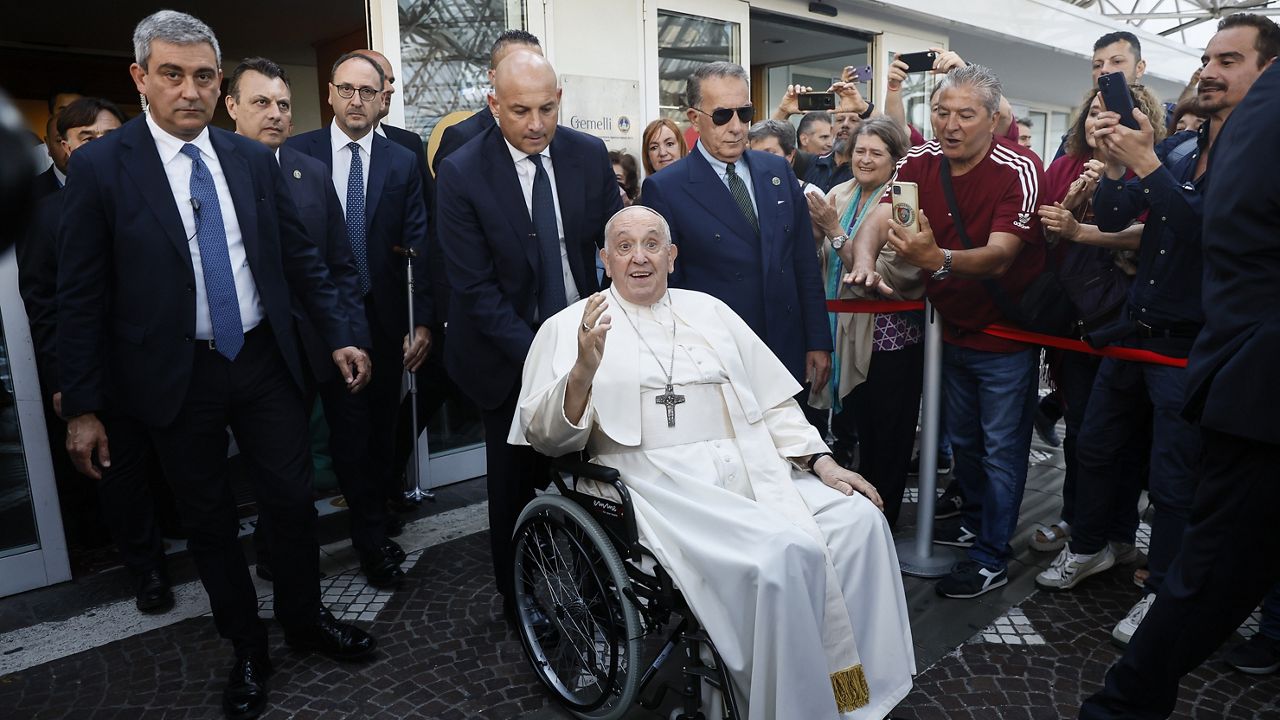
<point>783,556</point>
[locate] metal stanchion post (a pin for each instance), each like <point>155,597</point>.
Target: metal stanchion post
<point>918,556</point>
<point>415,492</point>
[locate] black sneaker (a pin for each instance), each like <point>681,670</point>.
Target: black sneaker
<point>970,579</point>
<point>1046,428</point>
<point>1259,655</point>
<point>954,534</point>
<point>949,503</point>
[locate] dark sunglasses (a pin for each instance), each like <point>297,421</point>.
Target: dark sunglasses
<point>722,116</point>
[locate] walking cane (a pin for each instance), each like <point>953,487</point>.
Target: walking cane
<point>415,493</point>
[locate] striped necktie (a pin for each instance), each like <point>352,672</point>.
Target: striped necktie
<point>738,190</point>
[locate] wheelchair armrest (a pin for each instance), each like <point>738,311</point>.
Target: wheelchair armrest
<point>577,467</point>
<point>617,517</point>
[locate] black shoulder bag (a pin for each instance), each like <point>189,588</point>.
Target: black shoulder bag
<point>1045,307</point>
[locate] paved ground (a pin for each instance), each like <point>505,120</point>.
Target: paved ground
<point>445,653</point>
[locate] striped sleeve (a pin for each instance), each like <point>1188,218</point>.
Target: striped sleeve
<point>1015,210</point>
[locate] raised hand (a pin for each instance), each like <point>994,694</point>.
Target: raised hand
<point>591,336</point>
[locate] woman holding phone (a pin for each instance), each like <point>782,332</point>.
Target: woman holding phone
<point>877,366</point>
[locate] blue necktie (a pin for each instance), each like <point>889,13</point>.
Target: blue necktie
<point>356,230</point>
<point>551,291</point>
<point>215,259</point>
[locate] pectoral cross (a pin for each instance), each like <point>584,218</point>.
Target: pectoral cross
<point>671,400</point>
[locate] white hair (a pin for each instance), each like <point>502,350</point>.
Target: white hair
<point>664,230</point>
<point>174,27</point>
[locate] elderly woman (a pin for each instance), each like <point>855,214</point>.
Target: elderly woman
<point>877,368</point>
<point>663,144</point>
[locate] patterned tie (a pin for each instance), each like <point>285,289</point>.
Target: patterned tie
<point>356,230</point>
<point>738,190</point>
<point>215,259</point>
<point>551,291</point>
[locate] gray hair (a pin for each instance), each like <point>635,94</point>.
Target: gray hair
<point>174,27</point>
<point>981,78</point>
<point>721,69</point>
<point>808,119</point>
<point>783,131</point>
<point>889,131</point>
<point>664,230</point>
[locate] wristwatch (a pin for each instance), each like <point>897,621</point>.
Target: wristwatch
<point>838,241</point>
<point>867,113</point>
<point>813,460</point>
<point>942,272</point>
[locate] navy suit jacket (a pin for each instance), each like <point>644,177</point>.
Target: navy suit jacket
<point>126,284</point>
<point>1230,374</point>
<point>394,216</point>
<point>494,262</point>
<point>312,191</point>
<point>37,253</point>
<point>46,183</point>
<point>771,280</point>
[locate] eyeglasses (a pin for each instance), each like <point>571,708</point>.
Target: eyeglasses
<point>367,94</point>
<point>722,116</point>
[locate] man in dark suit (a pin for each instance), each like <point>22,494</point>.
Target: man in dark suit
<point>522,212</point>
<point>123,495</point>
<point>380,186</point>
<point>180,250</point>
<point>742,225</point>
<point>52,179</point>
<point>260,101</point>
<point>1230,555</point>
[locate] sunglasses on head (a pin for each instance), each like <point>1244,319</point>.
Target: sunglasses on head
<point>722,116</point>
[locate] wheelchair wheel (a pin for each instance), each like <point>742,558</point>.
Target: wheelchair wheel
<point>580,632</point>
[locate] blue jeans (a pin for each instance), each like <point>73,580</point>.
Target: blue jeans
<point>1124,395</point>
<point>990,399</point>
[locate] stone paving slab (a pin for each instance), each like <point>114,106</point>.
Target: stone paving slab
<point>445,654</point>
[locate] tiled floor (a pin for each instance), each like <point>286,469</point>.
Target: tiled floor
<point>445,653</point>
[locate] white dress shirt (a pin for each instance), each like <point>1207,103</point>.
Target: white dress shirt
<point>526,171</point>
<point>342,162</point>
<point>177,167</point>
<point>740,169</point>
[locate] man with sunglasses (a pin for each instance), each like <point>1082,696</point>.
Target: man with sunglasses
<point>742,225</point>
<point>379,184</point>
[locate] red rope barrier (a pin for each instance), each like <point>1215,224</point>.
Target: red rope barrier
<point>1008,333</point>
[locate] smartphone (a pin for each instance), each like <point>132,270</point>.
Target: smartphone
<point>1117,98</point>
<point>808,102</point>
<point>919,62</point>
<point>906,204</point>
<point>857,73</point>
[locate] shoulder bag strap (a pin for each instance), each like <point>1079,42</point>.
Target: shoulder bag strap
<point>993,288</point>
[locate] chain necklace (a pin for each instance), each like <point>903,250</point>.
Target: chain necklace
<point>668,398</point>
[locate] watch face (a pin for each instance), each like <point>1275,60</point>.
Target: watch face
<point>838,243</point>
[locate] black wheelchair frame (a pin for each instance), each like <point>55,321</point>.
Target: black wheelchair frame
<point>579,583</point>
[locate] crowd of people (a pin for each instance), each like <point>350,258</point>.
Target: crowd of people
<point>181,280</point>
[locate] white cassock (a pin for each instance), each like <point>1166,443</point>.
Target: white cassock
<point>796,584</point>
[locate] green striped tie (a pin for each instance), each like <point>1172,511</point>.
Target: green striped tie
<point>738,190</point>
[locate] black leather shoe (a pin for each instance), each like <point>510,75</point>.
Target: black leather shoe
<point>393,551</point>
<point>381,571</point>
<point>333,639</point>
<point>246,693</point>
<point>154,595</point>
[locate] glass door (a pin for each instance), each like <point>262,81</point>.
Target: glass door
<point>33,551</point>
<point>680,36</point>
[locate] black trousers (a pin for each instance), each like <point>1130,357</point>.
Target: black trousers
<point>1230,558</point>
<point>256,396</point>
<point>514,472</point>
<point>126,494</point>
<point>347,416</point>
<point>884,407</point>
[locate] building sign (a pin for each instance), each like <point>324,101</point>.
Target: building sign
<point>605,107</point>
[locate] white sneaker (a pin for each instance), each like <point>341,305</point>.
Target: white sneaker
<point>1129,625</point>
<point>1126,554</point>
<point>1068,568</point>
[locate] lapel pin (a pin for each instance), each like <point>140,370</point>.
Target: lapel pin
<point>297,174</point>
<point>776,181</point>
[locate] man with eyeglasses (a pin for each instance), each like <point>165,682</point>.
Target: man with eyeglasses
<point>379,184</point>
<point>743,228</point>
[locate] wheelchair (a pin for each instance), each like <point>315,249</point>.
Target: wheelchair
<point>588,595</point>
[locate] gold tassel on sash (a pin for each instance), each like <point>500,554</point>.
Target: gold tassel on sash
<point>850,688</point>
